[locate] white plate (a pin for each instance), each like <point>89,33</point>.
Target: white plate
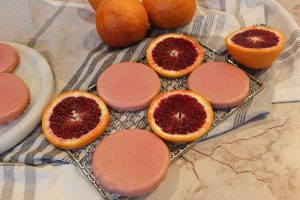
<point>36,73</point>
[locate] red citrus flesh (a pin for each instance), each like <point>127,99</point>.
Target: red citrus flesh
<point>255,47</point>
<point>179,114</point>
<point>256,38</point>
<point>74,117</point>
<point>174,55</point>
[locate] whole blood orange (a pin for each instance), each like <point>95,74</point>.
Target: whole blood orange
<point>255,47</point>
<point>170,13</point>
<point>121,23</point>
<point>75,119</point>
<point>174,55</point>
<point>180,116</point>
<point>95,3</point>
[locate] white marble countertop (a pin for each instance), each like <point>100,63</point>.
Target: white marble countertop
<point>257,161</point>
<point>260,160</point>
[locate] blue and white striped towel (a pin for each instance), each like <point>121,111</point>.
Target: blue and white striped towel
<point>64,33</point>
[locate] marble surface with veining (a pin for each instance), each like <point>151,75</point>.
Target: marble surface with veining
<point>260,160</point>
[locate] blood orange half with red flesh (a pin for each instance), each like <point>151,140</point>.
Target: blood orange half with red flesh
<point>75,119</point>
<point>180,116</point>
<point>174,55</point>
<point>255,47</point>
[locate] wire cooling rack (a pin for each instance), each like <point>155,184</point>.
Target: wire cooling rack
<point>138,119</point>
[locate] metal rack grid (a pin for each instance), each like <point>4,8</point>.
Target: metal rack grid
<point>138,119</point>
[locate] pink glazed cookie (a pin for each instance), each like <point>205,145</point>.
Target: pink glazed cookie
<point>14,97</point>
<point>9,58</point>
<point>131,162</point>
<point>128,86</point>
<point>223,84</point>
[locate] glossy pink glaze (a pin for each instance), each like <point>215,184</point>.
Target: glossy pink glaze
<point>223,84</point>
<point>9,58</point>
<point>128,86</point>
<point>131,162</point>
<point>14,97</point>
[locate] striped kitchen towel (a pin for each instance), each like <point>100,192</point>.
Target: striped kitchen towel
<point>64,33</point>
<point>25,182</point>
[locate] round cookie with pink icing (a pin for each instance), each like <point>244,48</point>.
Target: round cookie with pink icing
<point>131,162</point>
<point>223,85</point>
<point>9,58</point>
<point>14,97</point>
<point>128,86</point>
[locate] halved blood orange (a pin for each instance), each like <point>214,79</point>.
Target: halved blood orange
<point>180,116</point>
<point>256,47</point>
<point>174,55</point>
<point>74,119</point>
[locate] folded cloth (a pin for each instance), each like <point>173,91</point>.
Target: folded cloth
<point>44,182</point>
<point>65,35</point>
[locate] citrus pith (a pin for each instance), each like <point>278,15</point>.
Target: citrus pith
<point>174,55</point>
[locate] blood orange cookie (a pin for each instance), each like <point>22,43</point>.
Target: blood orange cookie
<point>75,119</point>
<point>180,116</point>
<point>9,58</point>
<point>174,55</point>
<point>223,84</point>
<point>14,97</point>
<point>255,47</point>
<point>128,86</point>
<point>131,162</point>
